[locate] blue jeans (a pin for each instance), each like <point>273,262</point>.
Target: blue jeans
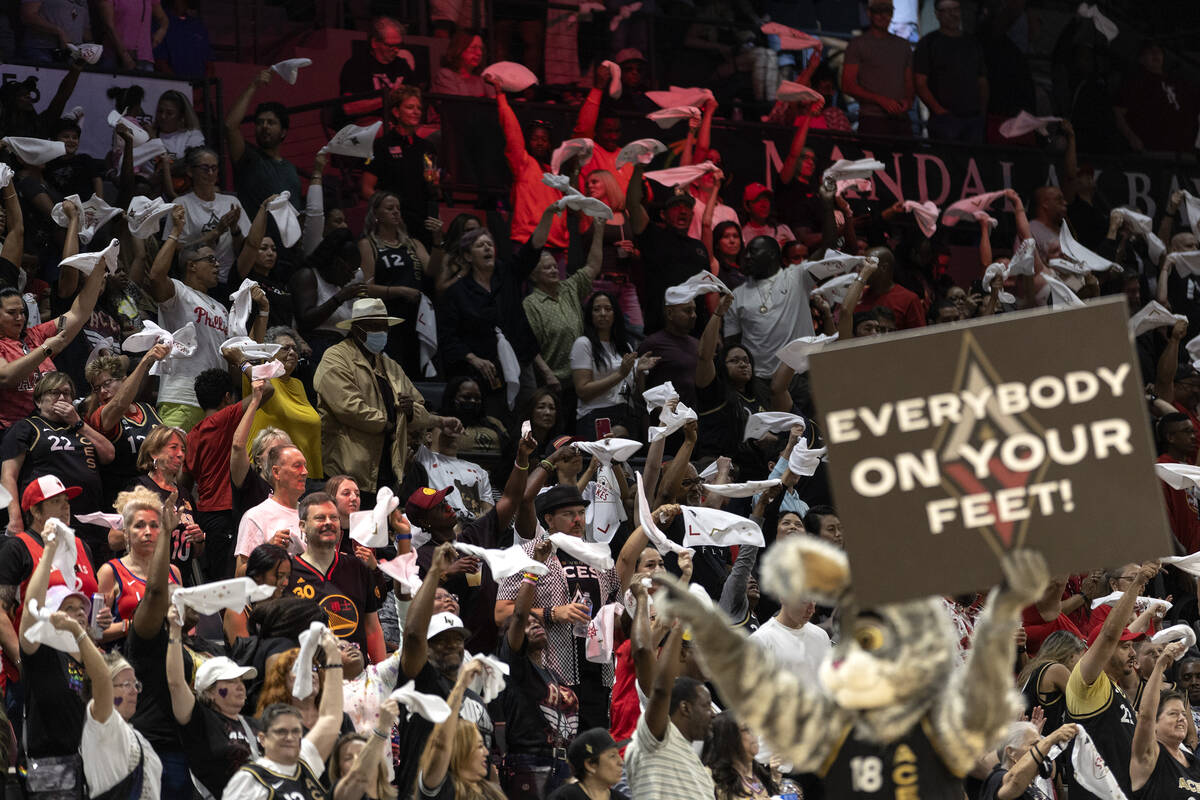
<point>176,780</point>
<point>953,128</point>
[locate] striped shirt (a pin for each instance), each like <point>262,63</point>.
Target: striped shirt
<point>667,769</point>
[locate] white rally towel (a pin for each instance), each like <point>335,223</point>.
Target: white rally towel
<point>1193,348</point>
<point>92,215</point>
<point>1091,772</point>
<point>804,462</point>
<point>490,683</point>
<point>571,148</point>
<point>1141,224</point>
<point>239,307</point>
<point>403,569</point>
<point>289,69</point>
<point>792,92</point>
<point>626,11</point>
<point>703,282</point>
<point>302,678</point>
<point>790,38</point>
<point>1192,204</point>
<point>606,512</point>
<point>680,176</point>
<point>182,343</point>
<point>681,96</point>
<point>504,563</point>
<point>356,141</point>
<point>1140,604</point>
<point>370,528</point>
<point>600,634</point>
<point>44,632</point>
<point>591,206</point>
<point>286,218</point>
<point>998,270</point>
<point>427,334</point>
<point>1185,262</point>
<point>1023,261</point>
<point>88,52</point>
<point>1176,633</point>
<point>796,352</point>
<point>513,77</point>
<point>6,175</point>
<point>744,489</point>
<point>926,215</point>
<point>966,208</point>
<point>1179,476</point>
<point>640,151</point>
<point>846,170</point>
<point>99,345</point>
<point>116,120</point>
<point>1107,28</point>
<point>834,290</point>
<point>147,152</point>
<point>1060,293</point>
<point>1153,315</point>
<point>86,262</point>
<point>268,371</point>
<point>250,348</point>
<point>560,182</point>
<point>670,421</point>
<point>427,706</point>
<point>1073,250</point>
<point>114,521</point>
<point>1065,267</point>
<point>832,264</point>
<point>35,151</point>
<point>614,74</point>
<point>713,527</point>
<point>764,422</point>
<point>667,117</point>
<point>143,215</point>
<point>1024,123</point>
<point>595,554</point>
<point>67,553</point>
<point>510,368</point>
<point>209,598</point>
<point>659,396</point>
<point>649,527</point>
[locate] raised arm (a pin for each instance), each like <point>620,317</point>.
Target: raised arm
<point>514,488</point>
<point>1091,664</point>
<point>589,112</point>
<point>148,618</point>
<point>853,294</point>
<point>39,581</point>
<point>14,237</point>
<point>258,229</point>
<point>1019,216</point>
<point>1025,769</point>
<point>658,705</point>
<point>1168,363</point>
<point>324,733</point>
<point>355,783</point>
<point>524,600</point>
<point>114,409</point>
<point>634,193</point>
<point>435,760</point>
<point>161,287</point>
<point>985,243</point>
<point>93,664</point>
<point>183,700</point>
<point>680,462</point>
<point>704,137</point>
<point>416,622</point>
<point>706,368</point>
<point>68,278</point>
<point>1144,753</point>
<point>233,120</point>
<point>791,164</point>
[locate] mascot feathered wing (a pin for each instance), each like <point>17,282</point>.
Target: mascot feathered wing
<point>890,686</point>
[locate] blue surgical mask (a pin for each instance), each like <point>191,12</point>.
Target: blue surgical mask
<point>376,341</point>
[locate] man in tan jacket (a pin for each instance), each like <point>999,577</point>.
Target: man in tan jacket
<point>368,405</point>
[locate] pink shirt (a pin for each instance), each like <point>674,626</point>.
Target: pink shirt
<point>17,403</point>
<point>132,19</point>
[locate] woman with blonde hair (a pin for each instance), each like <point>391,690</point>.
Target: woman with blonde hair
<point>124,578</point>
<point>1043,681</point>
<point>619,255</point>
<point>161,458</point>
<point>456,753</point>
<point>395,267</point>
<point>356,766</point>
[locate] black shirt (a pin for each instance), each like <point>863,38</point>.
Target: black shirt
<point>73,174</point>
<point>347,592</point>
<point>953,65</point>
<point>670,258</point>
<point>991,787</point>
<point>55,701</point>
<point>362,73</point>
<point>216,746</point>
<point>573,791</point>
<point>399,163</point>
<point>154,717</point>
<point>183,552</point>
<point>51,449</point>
<point>540,711</point>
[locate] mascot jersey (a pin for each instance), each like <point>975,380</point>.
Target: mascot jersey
<point>906,769</point>
<point>1105,711</point>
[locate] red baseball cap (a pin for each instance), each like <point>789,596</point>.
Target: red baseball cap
<point>755,191</point>
<point>1126,635</point>
<point>426,499</point>
<point>44,488</point>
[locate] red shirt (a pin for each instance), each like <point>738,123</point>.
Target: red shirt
<point>1190,415</point>
<point>1183,512</point>
<point>624,709</point>
<point>17,402</point>
<point>908,308</point>
<point>207,458</point>
<point>1037,629</point>
<point>529,195</point>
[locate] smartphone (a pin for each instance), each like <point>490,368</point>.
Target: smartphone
<point>603,427</point>
<point>97,605</point>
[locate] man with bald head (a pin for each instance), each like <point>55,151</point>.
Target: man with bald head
<point>882,290</point>
<point>771,308</point>
<point>1049,213</point>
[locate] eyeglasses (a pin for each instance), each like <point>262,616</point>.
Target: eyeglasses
<point>137,685</point>
<point>286,733</point>
<point>210,258</point>
<point>206,167</point>
<point>105,384</point>
<point>67,393</point>
<point>287,348</point>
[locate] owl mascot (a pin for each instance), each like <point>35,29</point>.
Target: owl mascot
<point>893,715</point>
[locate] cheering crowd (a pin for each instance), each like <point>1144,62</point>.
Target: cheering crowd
<point>298,510</point>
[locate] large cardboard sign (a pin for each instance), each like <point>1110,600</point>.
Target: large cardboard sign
<point>950,446</point>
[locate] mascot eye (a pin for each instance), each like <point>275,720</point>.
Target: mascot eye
<point>869,638</point>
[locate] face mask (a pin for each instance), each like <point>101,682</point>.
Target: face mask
<point>376,341</point>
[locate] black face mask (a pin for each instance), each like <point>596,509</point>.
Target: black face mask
<point>468,409</point>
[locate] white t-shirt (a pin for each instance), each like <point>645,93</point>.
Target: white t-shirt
<point>260,523</point>
<point>177,384</point>
<point>204,215</point>
<point>722,213</point>
<point>787,317</point>
<point>472,486</point>
<point>781,233</point>
<point>581,358</point>
<point>800,649</point>
<point>177,143</point>
<point>110,753</point>
<point>244,786</point>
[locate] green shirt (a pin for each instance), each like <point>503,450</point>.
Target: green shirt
<point>558,321</point>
